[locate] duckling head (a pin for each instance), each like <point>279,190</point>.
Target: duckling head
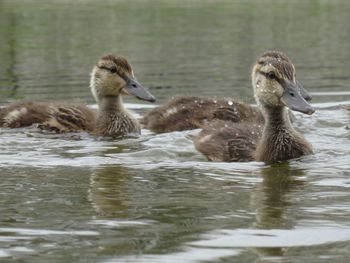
<point>113,76</point>
<point>275,84</point>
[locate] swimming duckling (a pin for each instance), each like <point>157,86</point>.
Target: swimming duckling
<point>191,112</point>
<point>111,78</point>
<point>275,88</point>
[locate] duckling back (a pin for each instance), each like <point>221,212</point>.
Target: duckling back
<point>191,112</point>
<point>23,114</point>
<point>59,117</point>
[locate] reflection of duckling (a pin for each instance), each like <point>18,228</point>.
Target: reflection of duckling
<point>110,78</point>
<point>270,197</point>
<point>107,192</point>
<point>272,203</point>
<point>191,112</point>
<point>275,87</point>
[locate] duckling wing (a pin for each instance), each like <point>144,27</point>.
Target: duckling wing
<point>23,114</point>
<point>59,117</point>
<point>69,118</point>
<point>238,112</point>
<point>179,114</point>
<point>226,114</point>
<point>225,142</point>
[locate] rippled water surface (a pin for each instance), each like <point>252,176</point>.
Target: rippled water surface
<point>75,198</point>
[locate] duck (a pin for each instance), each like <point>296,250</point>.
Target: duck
<point>275,90</point>
<point>191,112</point>
<point>111,78</point>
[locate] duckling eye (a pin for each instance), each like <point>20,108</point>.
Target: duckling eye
<point>113,70</point>
<point>271,75</point>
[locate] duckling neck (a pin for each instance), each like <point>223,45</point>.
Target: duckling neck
<point>110,105</point>
<point>113,119</point>
<point>280,141</point>
<point>276,118</point>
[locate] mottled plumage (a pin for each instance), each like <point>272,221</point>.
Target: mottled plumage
<point>191,112</point>
<point>110,78</point>
<point>222,141</point>
<point>187,113</point>
<point>60,117</point>
<point>281,142</point>
<point>275,86</point>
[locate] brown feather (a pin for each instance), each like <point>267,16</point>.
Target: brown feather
<point>222,141</point>
<point>187,113</point>
<point>60,117</point>
<point>280,61</point>
<point>120,62</point>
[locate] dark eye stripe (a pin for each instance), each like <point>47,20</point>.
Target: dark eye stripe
<point>280,81</point>
<point>112,69</point>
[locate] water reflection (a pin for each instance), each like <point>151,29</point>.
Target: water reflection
<point>270,198</point>
<point>11,46</point>
<point>107,192</point>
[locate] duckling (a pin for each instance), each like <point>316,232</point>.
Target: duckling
<point>191,112</point>
<point>111,78</point>
<point>275,88</point>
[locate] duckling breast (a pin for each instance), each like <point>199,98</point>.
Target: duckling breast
<point>117,125</point>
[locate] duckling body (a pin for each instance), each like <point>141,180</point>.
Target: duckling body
<point>60,117</point>
<point>346,107</point>
<point>222,141</point>
<point>275,87</point>
<point>191,112</point>
<point>110,78</point>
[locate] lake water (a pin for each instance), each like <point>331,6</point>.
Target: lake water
<point>154,198</point>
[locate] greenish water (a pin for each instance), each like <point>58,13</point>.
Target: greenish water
<point>154,198</point>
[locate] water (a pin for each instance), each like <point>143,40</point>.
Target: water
<point>75,198</point>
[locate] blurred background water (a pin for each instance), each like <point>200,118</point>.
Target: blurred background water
<point>154,198</point>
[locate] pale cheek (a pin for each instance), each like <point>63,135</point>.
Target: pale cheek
<point>278,91</point>
<point>272,99</point>
<point>119,81</point>
<point>268,97</point>
<point>114,84</point>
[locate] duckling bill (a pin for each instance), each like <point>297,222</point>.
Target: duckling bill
<point>111,78</point>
